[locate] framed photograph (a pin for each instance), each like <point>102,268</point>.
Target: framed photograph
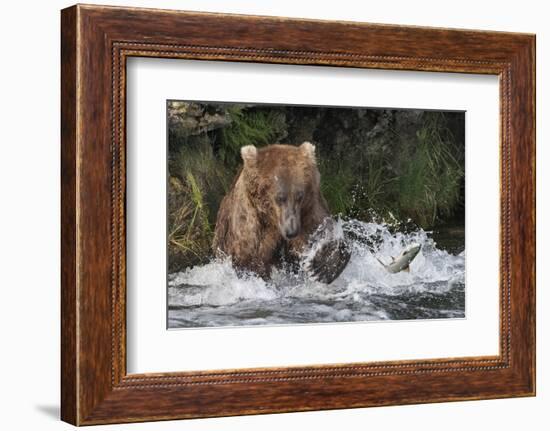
<point>264,214</point>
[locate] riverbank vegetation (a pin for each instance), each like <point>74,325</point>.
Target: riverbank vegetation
<point>399,164</point>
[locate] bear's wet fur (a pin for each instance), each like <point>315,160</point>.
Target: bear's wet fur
<point>273,206</point>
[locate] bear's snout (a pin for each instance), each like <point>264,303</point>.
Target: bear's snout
<point>291,227</point>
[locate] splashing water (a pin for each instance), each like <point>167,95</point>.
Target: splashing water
<point>216,295</point>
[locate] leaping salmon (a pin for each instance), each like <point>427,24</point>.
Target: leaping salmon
<point>402,262</point>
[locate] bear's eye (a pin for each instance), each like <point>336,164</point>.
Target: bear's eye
<point>280,199</point>
<point>299,196</point>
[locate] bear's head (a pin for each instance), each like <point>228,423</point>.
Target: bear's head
<point>282,183</point>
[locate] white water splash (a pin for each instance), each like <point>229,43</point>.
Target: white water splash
<point>433,271</point>
<point>366,274</point>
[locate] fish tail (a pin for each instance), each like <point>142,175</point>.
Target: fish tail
<point>381,263</point>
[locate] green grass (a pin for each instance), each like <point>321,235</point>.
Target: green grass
<point>187,237</point>
<point>422,182</point>
<point>197,183</point>
<point>247,128</point>
<point>337,180</point>
<point>429,186</point>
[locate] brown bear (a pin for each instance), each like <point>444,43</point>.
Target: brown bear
<point>274,205</point>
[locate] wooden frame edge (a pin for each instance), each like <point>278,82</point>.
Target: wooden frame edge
<point>109,392</point>
<point>69,305</point>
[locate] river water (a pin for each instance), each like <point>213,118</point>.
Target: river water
<point>214,295</point>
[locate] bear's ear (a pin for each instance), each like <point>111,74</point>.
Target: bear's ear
<point>249,154</point>
<point>308,149</point>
